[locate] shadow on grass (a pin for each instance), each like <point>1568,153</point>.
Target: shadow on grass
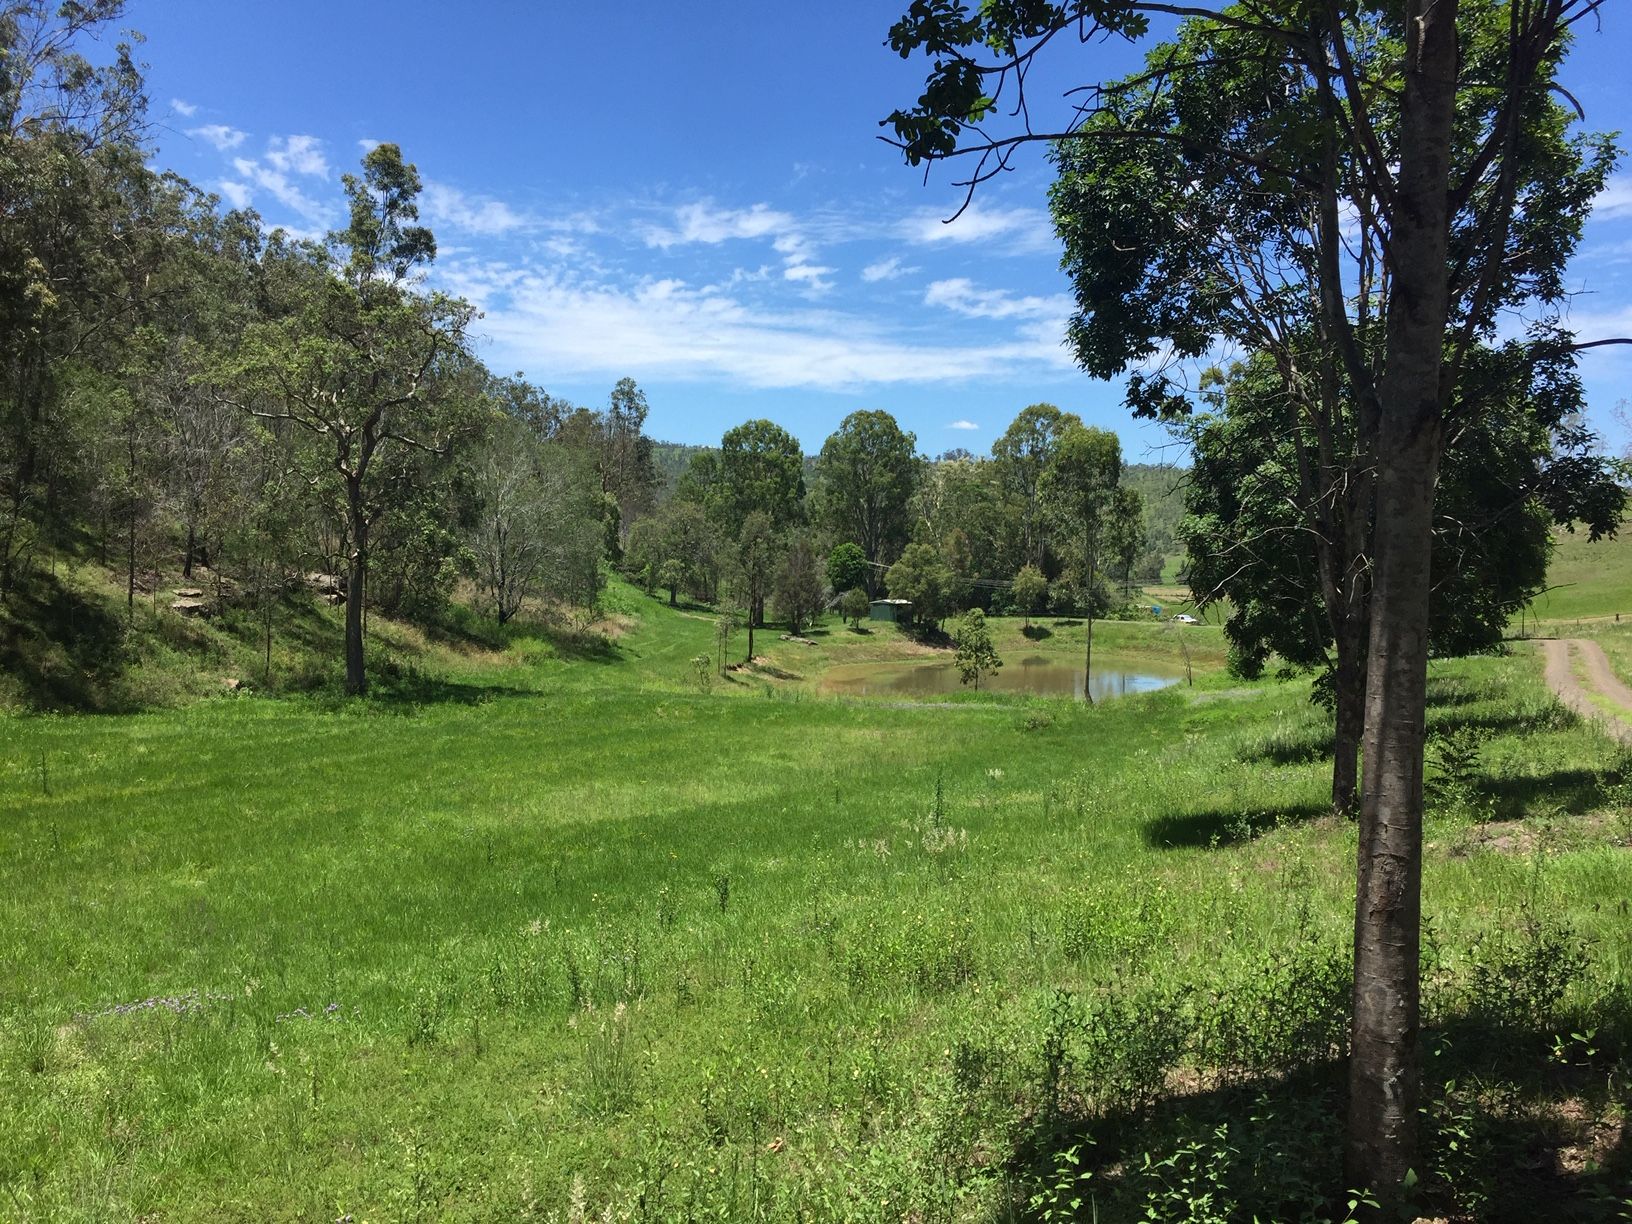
<point>1036,632</point>
<point>1572,791</point>
<point>1527,1145</point>
<point>1218,827</point>
<point>1304,746</point>
<point>64,651</point>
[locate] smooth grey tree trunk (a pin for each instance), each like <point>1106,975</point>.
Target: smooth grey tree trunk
<point>1384,1062</point>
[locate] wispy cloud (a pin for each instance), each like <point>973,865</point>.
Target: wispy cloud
<point>277,184</point>
<point>298,155</point>
<point>885,269</point>
<point>959,295</point>
<point>473,214</point>
<point>962,425</point>
<point>185,109</point>
<point>224,138</point>
<point>1615,200</point>
<point>703,222</point>
<point>1002,230</point>
<point>547,321</point>
<point>237,194</point>
<point>708,224</point>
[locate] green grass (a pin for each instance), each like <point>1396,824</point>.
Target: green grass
<point>597,941</point>
<point>1589,581</point>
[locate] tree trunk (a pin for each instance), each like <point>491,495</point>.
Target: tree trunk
<point>130,566</point>
<point>1349,691</point>
<point>1088,655</point>
<point>1384,1063</point>
<point>356,678</point>
<point>750,657</point>
<point>192,547</point>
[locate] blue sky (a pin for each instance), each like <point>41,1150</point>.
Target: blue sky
<point>695,196</point>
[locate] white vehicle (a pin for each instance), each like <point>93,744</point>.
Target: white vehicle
<point>1184,618</point>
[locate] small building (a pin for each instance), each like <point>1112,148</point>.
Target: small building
<point>896,611</point>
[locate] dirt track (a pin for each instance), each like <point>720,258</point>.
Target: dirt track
<point>1601,679</point>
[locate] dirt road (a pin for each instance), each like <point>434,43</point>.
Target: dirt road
<point>1601,680</point>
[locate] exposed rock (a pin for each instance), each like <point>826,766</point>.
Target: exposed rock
<point>192,607</point>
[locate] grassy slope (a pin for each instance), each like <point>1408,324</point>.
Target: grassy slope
<point>805,959</point>
<point>1589,580</point>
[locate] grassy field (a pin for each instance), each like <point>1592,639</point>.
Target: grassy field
<point>1588,581</point>
<point>552,933</point>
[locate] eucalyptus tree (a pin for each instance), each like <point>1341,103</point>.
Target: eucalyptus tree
<point>536,518</point>
<point>69,162</point>
<point>1021,456</point>
<point>868,469</point>
<point>760,468</point>
<point>798,591</point>
<point>976,655</point>
<point>1090,511</point>
<point>1375,155</point>
<point>754,568</point>
<point>365,361</point>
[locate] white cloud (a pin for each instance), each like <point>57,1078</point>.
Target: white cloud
<point>224,138</point>
<point>884,269</point>
<point>707,224</point>
<point>473,214</point>
<point>1004,230</point>
<point>554,323</point>
<point>368,145</point>
<point>812,276</point>
<point>1615,200</point>
<point>298,155</point>
<point>962,425</point>
<point>277,184</point>
<point>959,295</point>
<point>185,109</point>
<point>236,194</point>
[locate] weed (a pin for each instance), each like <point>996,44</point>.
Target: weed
<point>609,1059</point>
<point>1452,785</point>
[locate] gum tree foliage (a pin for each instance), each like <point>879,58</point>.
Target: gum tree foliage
<point>854,606</point>
<point>798,592</point>
<point>867,470</point>
<point>760,469</point>
<point>1089,511</point>
<point>677,548</point>
<point>1028,591</point>
<point>1372,163</point>
<point>365,361</point>
<point>922,576</point>
<point>536,531</point>
<point>72,172</point>
<point>1021,456</point>
<point>976,656</point>
<point>960,509</point>
<point>753,564</point>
